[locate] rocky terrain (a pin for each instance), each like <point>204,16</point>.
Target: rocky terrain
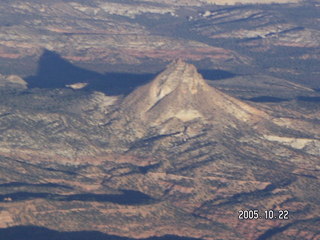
<point>173,157</point>
<point>130,35</point>
<point>159,119</point>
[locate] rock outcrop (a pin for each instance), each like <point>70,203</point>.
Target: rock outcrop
<point>181,92</point>
<point>12,81</point>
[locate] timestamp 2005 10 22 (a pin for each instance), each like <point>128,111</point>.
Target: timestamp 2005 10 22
<point>253,214</point>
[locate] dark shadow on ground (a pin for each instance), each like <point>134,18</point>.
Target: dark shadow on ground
<point>266,99</point>
<point>56,72</point>
<point>270,99</point>
<point>275,230</point>
<point>309,99</point>
<point>216,74</point>
<point>22,184</point>
<point>41,233</point>
<point>128,197</point>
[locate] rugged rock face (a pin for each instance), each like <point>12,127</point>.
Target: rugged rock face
<point>111,150</point>
<point>175,156</point>
<point>181,92</point>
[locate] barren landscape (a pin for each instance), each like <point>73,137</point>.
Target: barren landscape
<point>159,119</point>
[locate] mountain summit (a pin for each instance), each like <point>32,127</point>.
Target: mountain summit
<point>181,92</point>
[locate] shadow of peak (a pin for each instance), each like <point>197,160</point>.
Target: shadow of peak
<point>113,83</point>
<point>56,72</point>
<point>51,62</point>
<point>216,74</point>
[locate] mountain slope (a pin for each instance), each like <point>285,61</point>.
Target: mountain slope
<point>181,92</point>
<point>175,156</point>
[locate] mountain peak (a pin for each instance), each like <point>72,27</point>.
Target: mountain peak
<point>181,92</point>
<point>183,68</point>
<point>179,64</point>
<point>178,75</point>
